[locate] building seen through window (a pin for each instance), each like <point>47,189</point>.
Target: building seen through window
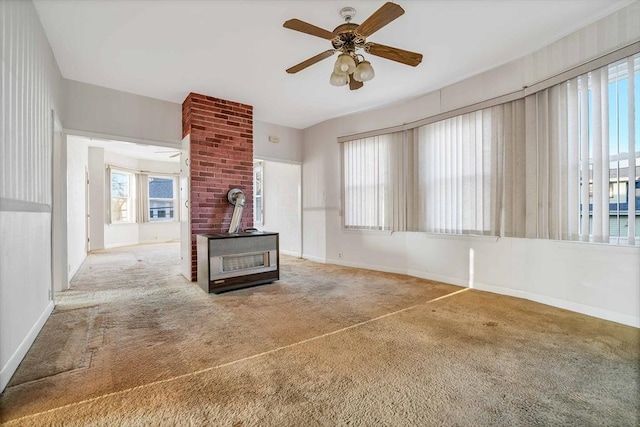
<point>161,200</point>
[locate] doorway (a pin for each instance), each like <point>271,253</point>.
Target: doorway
<point>281,203</point>
<point>92,225</point>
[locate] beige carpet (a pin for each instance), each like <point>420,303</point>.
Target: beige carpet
<point>133,343</point>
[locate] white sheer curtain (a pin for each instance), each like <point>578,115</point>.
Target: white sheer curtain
<point>142,195</point>
<point>107,193</point>
<point>461,169</point>
<point>581,157</point>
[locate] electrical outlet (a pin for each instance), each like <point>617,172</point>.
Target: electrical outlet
<point>340,255</point>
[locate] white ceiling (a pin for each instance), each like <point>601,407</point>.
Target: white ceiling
<point>238,50</point>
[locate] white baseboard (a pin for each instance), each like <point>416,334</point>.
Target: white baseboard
<point>138,242</point>
<point>120,244</point>
<point>74,271</point>
<point>365,266</point>
<point>543,299</point>
<point>414,273</point>
<point>600,313</point>
<point>291,253</point>
<point>439,278</point>
<point>14,361</point>
<point>314,258</point>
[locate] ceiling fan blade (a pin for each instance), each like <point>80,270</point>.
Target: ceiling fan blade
<point>394,54</point>
<point>304,27</point>
<point>381,17</point>
<point>304,64</point>
<point>354,84</point>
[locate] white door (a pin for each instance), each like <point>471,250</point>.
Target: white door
<point>282,206</point>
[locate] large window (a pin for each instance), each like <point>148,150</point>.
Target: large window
<point>444,177</point>
<point>161,198</point>
<point>136,197</point>
<point>560,163</point>
<point>122,200</point>
<point>587,151</point>
<point>461,171</point>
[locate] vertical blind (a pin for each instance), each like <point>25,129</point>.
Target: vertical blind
<point>582,157</point>
<point>461,171</point>
<point>562,163</point>
<point>444,177</point>
<point>374,187</point>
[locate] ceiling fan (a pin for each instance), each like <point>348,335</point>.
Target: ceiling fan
<point>351,68</point>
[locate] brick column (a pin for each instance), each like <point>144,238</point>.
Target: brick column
<point>221,158</point>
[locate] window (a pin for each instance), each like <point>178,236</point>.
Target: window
<point>587,141</point>
<point>621,116</point>
<point>461,167</point>
<point>374,188</point>
<point>161,198</point>
<point>137,197</point>
<point>617,192</point>
<point>562,163</point>
<point>122,200</point>
<point>258,206</point>
<point>444,177</point>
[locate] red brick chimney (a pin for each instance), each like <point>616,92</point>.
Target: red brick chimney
<point>221,158</point>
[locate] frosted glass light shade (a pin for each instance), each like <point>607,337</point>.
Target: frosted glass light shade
<point>339,79</point>
<point>364,72</point>
<point>344,65</point>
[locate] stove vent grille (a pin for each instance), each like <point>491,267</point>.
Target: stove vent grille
<point>244,261</point>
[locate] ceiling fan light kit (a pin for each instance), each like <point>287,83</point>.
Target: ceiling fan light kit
<point>364,72</point>
<point>339,79</point>
<point>345,64</point>
<point>351,67</point>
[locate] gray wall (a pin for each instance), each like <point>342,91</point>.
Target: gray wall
<point>122,116</point>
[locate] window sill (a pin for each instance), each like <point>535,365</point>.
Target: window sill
<point>365,231</point>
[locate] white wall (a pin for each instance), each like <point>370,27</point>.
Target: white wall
<point>282,182</point>
<point>600,280</point>
<point>77,166</point>
<point>122,116</point>
<point>96,198</point>
<point>288,149</point>
<point>31,89</point>
<point>281,195</point>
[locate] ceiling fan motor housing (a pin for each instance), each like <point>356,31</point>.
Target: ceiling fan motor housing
<point>347,39</point>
